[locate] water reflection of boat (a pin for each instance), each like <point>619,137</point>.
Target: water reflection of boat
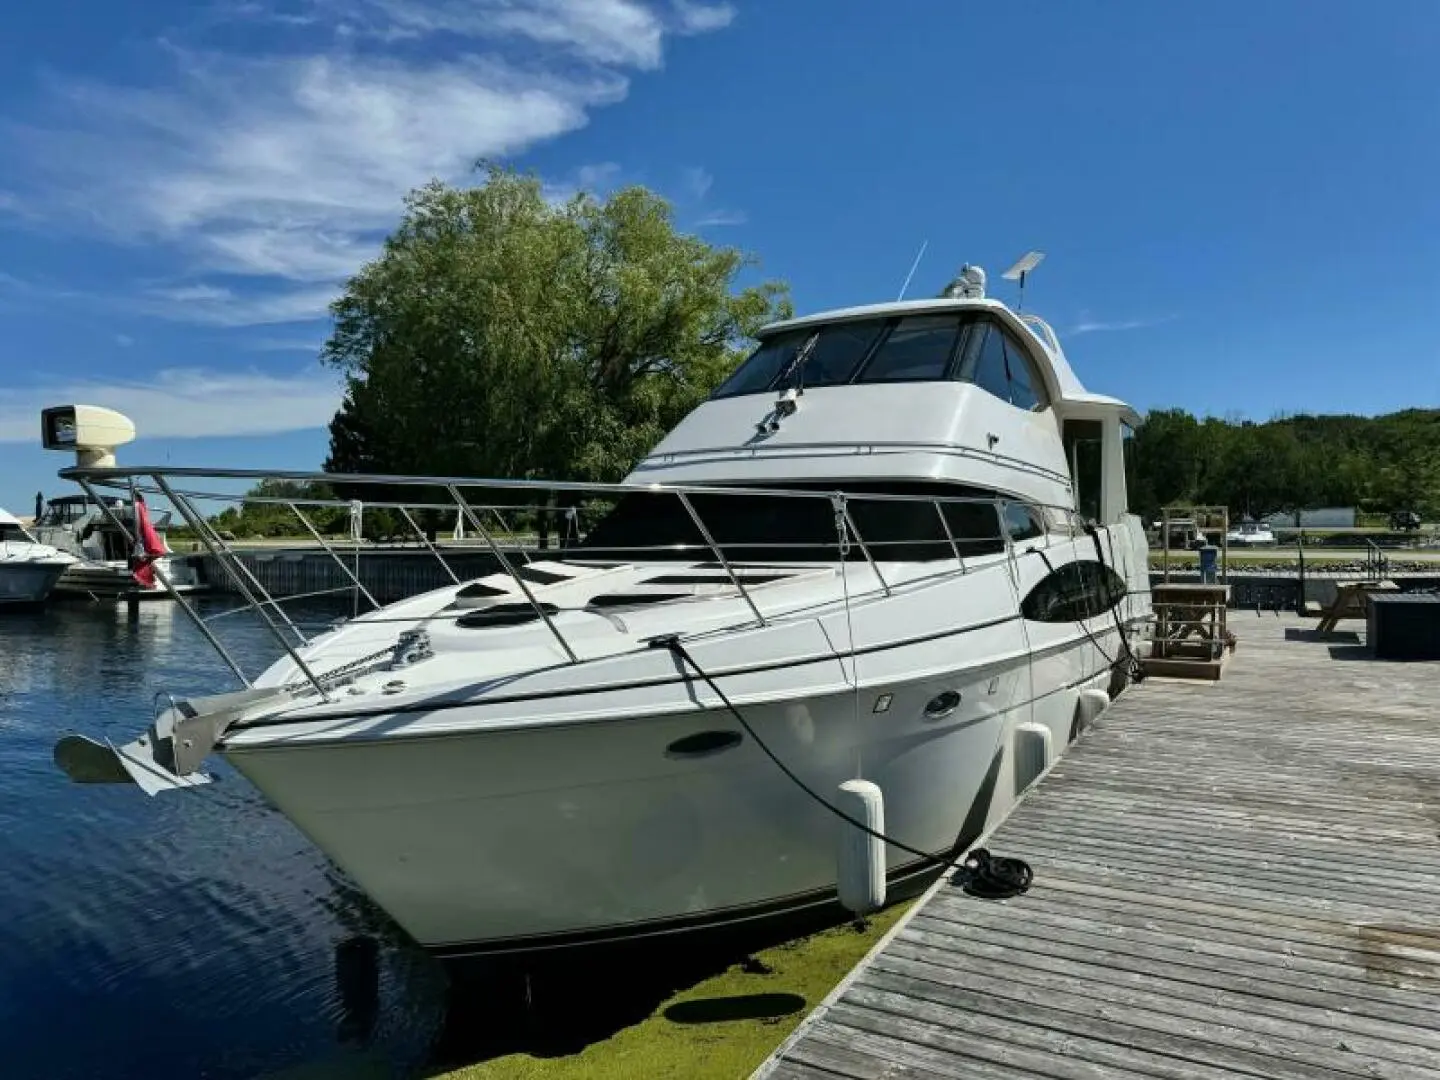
<point>100,569</point>
<point>893,546</point>
<point>28,568</point>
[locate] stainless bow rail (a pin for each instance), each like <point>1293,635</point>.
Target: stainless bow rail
<point>174,485</point>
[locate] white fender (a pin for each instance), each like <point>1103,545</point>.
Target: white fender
<point>861,872</point>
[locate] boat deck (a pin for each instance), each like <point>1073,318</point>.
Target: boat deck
<point>1238,878</point>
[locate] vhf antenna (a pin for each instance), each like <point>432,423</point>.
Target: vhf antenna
<point>1020,270</point>
<point>913,266</point>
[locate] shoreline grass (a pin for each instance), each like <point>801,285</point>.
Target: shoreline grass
<point>721,1028</point>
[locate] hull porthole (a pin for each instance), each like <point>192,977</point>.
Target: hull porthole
<point>942,705</point>
<point>703,744</point>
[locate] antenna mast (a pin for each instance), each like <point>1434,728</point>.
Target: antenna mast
<point>1020,271</point>
<point>913,266</point>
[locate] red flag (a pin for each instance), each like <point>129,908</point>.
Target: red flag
<point>148,546</point>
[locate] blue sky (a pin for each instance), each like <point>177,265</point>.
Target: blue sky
<point>1237,199</point>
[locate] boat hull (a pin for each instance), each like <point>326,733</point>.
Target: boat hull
<point>113,580</point>
<point>511,841</point>
<point>28,583</point>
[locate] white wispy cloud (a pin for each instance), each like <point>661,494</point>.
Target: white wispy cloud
<point>618,32</point>
<point>11,203</point>
<point>124,340</point>
<point>288,165</point>
<point>693,18</point>
<point>187,403</point>
<point>716,218</point>
<point>1087,325</point>
<point>213,305</point>
<point>698,182</point>
<point>695,186</point>
<point>285,344</point>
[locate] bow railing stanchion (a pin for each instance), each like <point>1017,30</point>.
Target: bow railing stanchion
<point>201,527</point>
<point>505,530</point>
<point>426,541</point>
<point>949,536</point>
<point>354,577</point>
<point>509,569</point>
<point>228,560</point>
<point>844,506</point>
<point>130,542</point>
<point>720,555</point>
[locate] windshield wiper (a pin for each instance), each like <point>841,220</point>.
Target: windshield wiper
<point>797,365</point>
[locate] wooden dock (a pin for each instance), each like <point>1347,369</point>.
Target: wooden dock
<point>1233,879</point>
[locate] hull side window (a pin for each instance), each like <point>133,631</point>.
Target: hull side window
<point>1076,591</point>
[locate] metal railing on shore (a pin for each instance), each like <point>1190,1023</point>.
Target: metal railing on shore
<point>705,523</point>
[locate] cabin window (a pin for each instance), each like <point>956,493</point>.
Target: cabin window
<point>985,362</point>
<point>838,351</point>
<point>999,365</point>
<point>775,529</point>
<point>66,511</point>
<point>918,349</point>
<point>1075,591</point>
<point>1024,380</point>
<point>913,348</point>
<point>1022,522</point>
<point>10,533</point>
<point>1083,452</point>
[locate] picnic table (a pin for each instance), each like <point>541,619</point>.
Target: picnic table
<point>1350,602</point>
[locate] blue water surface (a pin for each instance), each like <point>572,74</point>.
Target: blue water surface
<point>187,935</point>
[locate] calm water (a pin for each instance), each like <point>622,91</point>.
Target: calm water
<point>189,935</point>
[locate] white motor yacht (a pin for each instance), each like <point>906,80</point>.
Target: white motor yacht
<point>895,540</point>
<point>98,538</point>
<point>28,569</point>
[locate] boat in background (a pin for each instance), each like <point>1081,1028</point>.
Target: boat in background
<point>28,568</point>
<point>100,539</point>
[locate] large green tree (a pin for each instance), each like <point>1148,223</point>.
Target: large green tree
<point>503,334</point>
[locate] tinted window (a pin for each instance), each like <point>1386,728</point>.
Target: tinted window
<point>763,365</point>
<point>838,350</point>
<point>775,529</point>
<point>1075,591</point>
<point>999,365</point>
<point>1024,392</point>
<point>917,349</point>
<point>1022,522</point>
<point>986,361</point>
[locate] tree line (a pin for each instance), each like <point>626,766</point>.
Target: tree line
<point>1377,464</point>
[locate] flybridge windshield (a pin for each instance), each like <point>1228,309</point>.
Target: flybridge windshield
<point>931,347</point>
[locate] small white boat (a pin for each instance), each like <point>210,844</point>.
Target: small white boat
<point>28,569</point>
<point>894,546</point>
<point>1251,534</point>
<point>101,569</point>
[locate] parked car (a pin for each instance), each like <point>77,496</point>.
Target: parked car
<point>1408,520</point>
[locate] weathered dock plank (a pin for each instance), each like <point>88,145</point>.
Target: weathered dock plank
<point>1238,879</point>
